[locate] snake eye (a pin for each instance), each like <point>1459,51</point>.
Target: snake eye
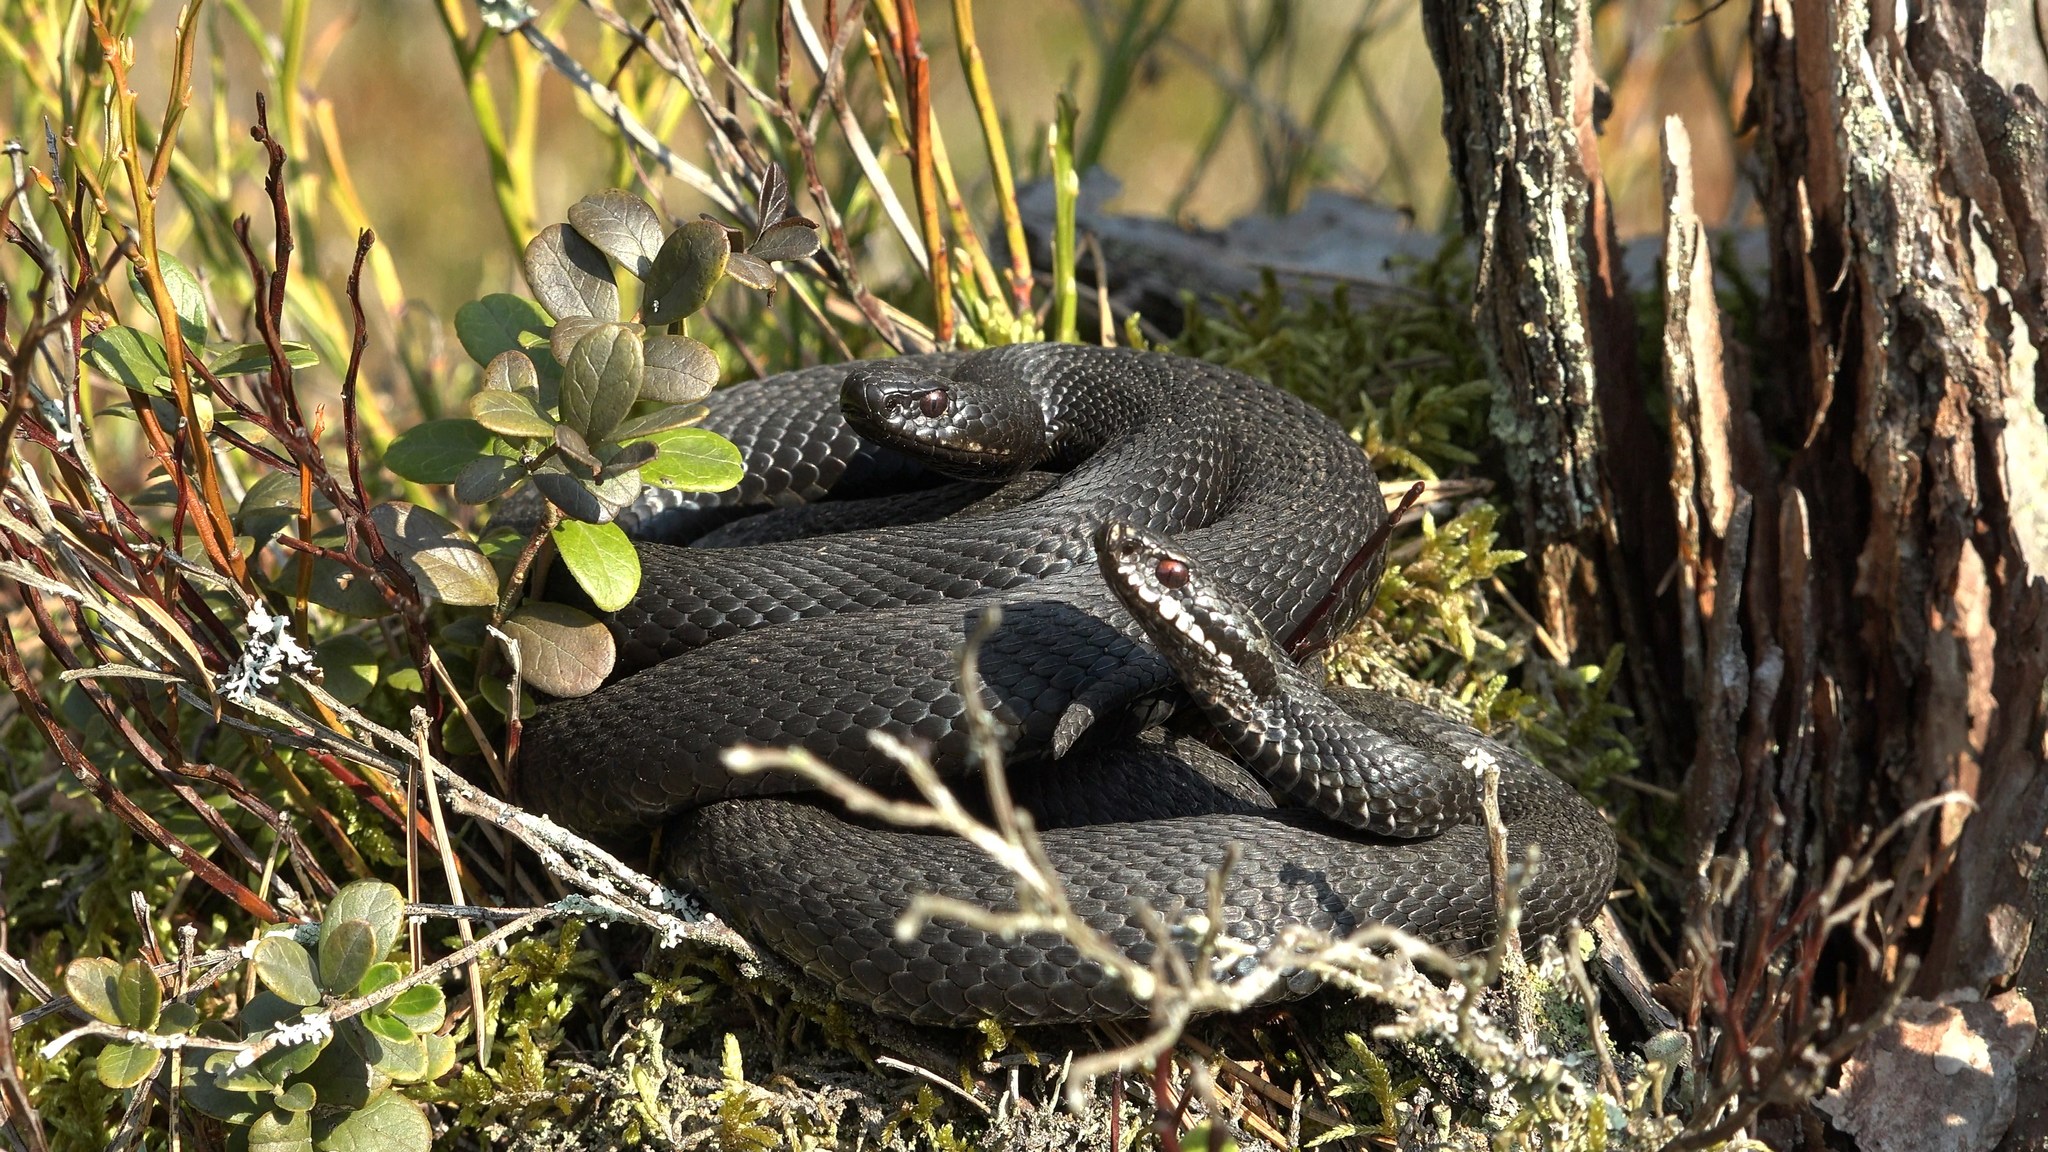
<point>933,403</point>
<point>1171,573</point>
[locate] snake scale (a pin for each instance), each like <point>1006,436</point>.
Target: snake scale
<point>1040,462</point>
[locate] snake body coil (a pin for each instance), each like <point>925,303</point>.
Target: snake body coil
<point>817,641</point>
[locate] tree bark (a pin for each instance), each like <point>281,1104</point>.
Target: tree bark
<point>1857,621</point>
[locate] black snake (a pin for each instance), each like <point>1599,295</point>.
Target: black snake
<point>816,641</point>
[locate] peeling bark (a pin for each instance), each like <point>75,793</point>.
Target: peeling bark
<point>1553,313</point>
<point>1858,615</point>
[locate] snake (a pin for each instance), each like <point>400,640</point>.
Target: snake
<point>1054,472</point>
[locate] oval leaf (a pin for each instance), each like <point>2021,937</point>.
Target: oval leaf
<point>388,1123</point>
<point>138,996</point>
<point>751,271</point>
<point>347,949</point>
<point>282,1130</point>
<point>421,1007</point>
<point>679,370</point>
<point>511,372</point>
<point>92,984</point>
<point>381,975</point>
<point>499,323</point>
<point>694,460</point>
<point>126,1065</point>
<point>440,1056</point>
<point>437,451</point>
<point>576,450</point>
<point>685,271</point>
<point>374,901</point>
<point>667,418</point>
<point>286,968</point>
<point>562,652</point>
<point>188,300</point>
<point>562,340</point>
<point>242,359</point>
<point>131,358</point>
<point>792,239</point>
<point>486,479</point>
<point>349,668</point>
<point>621,225</point>
<point>602,560</point>
<point>509,413</point>
<point>595,501</point>
<point>298,1098</point>
<point>601,380</point>
<point>569,276</point>
<point>440,556</point>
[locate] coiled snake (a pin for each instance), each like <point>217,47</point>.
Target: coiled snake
<point>817,640</point>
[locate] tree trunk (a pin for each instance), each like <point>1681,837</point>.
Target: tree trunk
<point>1858,621</point>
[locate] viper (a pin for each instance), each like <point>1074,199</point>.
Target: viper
<point>1058,474</point>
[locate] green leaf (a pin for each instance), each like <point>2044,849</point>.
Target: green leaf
<point>509,413</point>
<point>440,1056</point>
<point>266,1010</point>
<point>177,1019</point>
<point>342,1075</point>
<point>405,680</point>
<point>562,652</point>
<point>792,238</point>
<point>282,1130</point>
<point>388,1123</point>
<point>200,1089</point>
<point>382,904</point>
<point>126,1065</point>
<point>487,478</point>
<point>422,1007</point>
<point>399,1054</point>
<point>286,968</point>
<point>601,380</point>
<point>349,666</point>
<point>569,276</point>
<point>567,332</point>
<point>666,418</point>
<point>602,560</point>
<point>347,949</point>
<point>436,452</point>
<point>188,300</point>
<point>679,370</point>
<point>338,588</point>
<point>441,557</point>
<point>750,270</point>
<point>242,359</point>
<point>595,501</point>
<point>381,975</point>
<point>500,322</point>
<point>131,358</point>
<point>139,996</point>
<point>694,460</point>
<point>387,1027</point>
<point>621,225</point>
<point>91,983</point>
<point>576,450</point>
<point>298,1098</point>
<point>685,271</point>
<point>512,372</point>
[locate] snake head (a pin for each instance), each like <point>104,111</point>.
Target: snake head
<point>969,425</point>
<point>1212,641</point>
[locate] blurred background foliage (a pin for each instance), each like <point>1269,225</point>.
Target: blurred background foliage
<point>1204,110</point>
